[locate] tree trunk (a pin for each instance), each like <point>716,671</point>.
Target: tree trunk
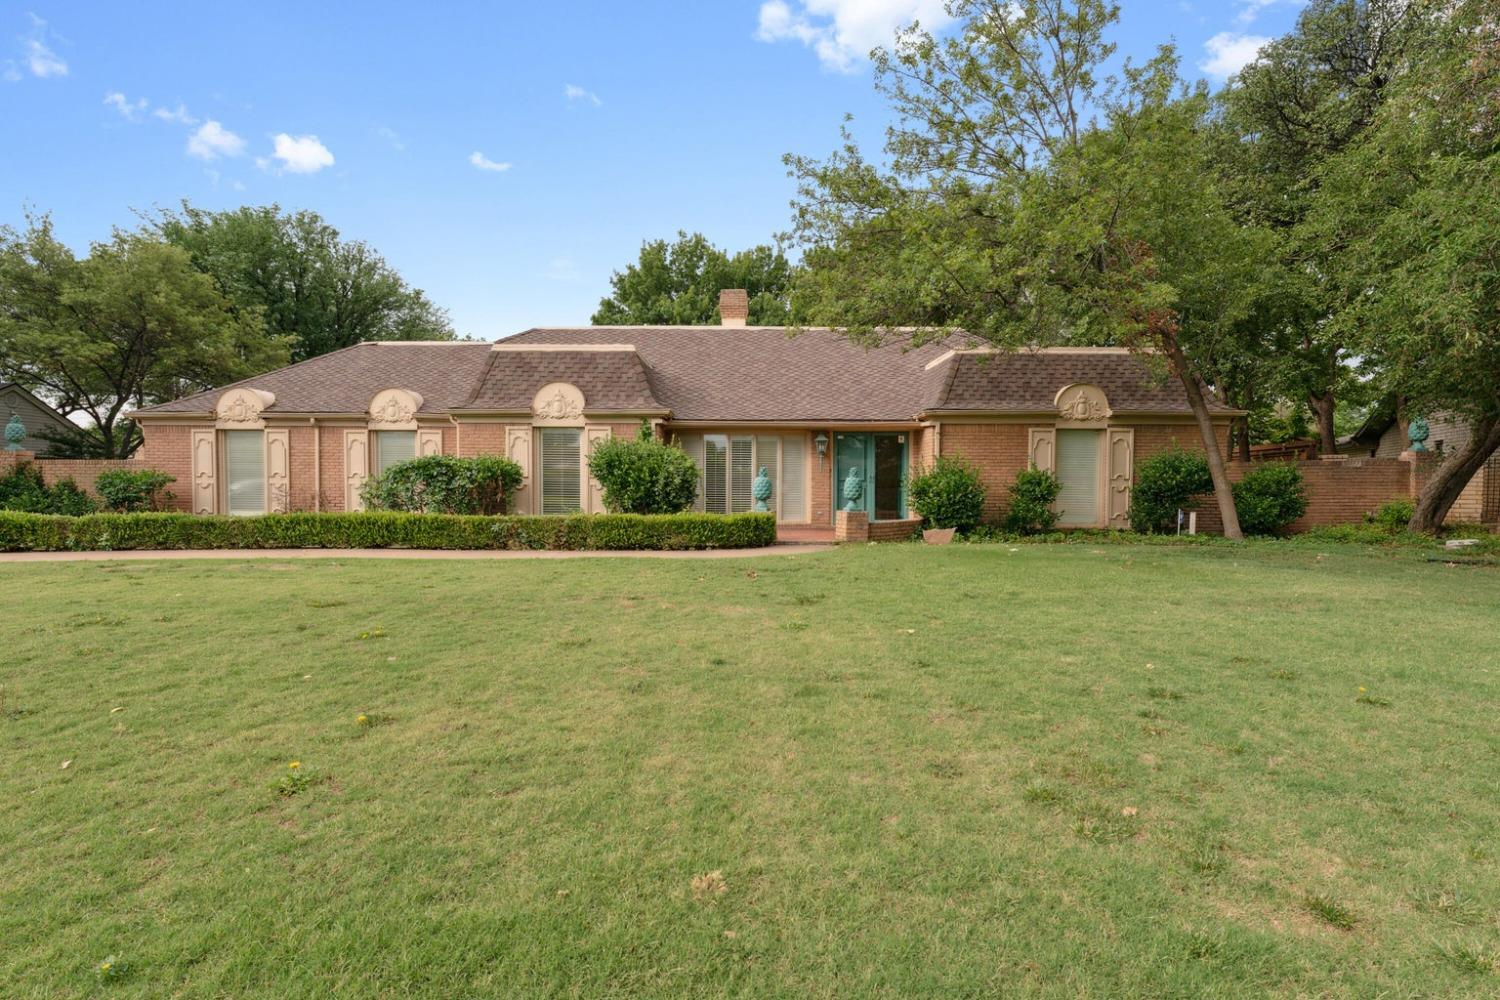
<point>1223,493</point>
<point>1322,408</point>
<point>1442,490</point>
<point>1244,423</point>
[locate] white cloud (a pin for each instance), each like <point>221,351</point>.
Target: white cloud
<point>1228,53</point>
<point>129,110</point>
<point>842,32</point>
<point>177,116</point>
<point>213,140</point>
<point>1251,9</point>
<point>573,92</point>
<point>301,154</point>
<point>482,162</point>
<point>42,61</point>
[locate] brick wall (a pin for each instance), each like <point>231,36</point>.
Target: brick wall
<point>1338,492</point>
<point>168,447</point>
<point>820,474</point>
<point>480,438</point>
<point>997,450</point>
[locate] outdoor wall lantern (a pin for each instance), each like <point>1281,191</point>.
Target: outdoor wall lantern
<point>821,443</point>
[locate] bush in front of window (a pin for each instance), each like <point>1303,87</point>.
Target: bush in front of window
<point>26,532</point>
<point>444,484</point>
<point>1166,483</point>
<point>948,495</point>
<point>1270,497</point>
<point>644,476</point>
<point>131,490</point>
<point>1031,499</point>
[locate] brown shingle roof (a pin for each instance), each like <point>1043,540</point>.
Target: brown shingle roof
<point>609,380</point>
<point>1028,381</point>
<point>344,381</point>
<point>713,373</point>
<point>764,373</point>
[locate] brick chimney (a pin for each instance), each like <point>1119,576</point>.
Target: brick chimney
<point>734,307</point>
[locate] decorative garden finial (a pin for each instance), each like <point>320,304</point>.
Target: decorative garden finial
<point>1418,432</point>
<point>761,490</point>
<point>15,433</point>
<point>854,488</point>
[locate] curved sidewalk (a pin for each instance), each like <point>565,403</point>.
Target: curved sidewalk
<point>157,554</point>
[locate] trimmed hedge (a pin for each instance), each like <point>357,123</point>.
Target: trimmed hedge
<point>20,532</point>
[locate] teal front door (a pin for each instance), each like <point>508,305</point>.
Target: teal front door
<point>879,460</point>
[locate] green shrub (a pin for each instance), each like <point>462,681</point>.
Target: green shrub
<point>1269,498</point>
<point>1166,483</point>
<point>1031,499</point>
<point>132,490</point>
<point>644,476</point>
<point>445,484</point>
<point>22,489</point>
<point>25,532</point>
<point>948,495</point>
<point>1393,516</point>
<point>68,498</point>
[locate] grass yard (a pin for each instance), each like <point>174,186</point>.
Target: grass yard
<point>891,771</point>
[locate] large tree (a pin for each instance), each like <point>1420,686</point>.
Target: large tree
<point>132,323</point>
<point>1307,97</point>
<point>679,283</point>
<point>1029,201</point>
<point>1414,206</point>
<point>306,281</point>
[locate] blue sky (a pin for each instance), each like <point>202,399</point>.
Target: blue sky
<point>504,156</point>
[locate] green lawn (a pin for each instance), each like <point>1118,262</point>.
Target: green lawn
<point>882,771</point>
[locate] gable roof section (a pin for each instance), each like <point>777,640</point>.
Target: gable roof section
<point>1028,382</point>
<point>344,381</point>
<point>610,376</point>
<point>751,374</point>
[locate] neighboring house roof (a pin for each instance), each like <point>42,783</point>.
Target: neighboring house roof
<point>35,414</point>
<point>344,381</point>
<point>713,373</point>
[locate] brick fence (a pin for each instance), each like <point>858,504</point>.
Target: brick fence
<point>83,471</point>
<point>1340,490</point>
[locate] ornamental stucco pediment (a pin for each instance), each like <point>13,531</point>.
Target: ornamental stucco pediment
<point>395,409</point>
<point>558,403</point>
<point>1081,403</point>
<point>242,409</point>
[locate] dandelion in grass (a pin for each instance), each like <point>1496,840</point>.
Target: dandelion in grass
<point>362,720</point>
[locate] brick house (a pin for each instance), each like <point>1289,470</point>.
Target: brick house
<point>811,409</point>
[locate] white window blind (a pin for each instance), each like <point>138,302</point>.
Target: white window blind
<point>741,473</point>
<point>245,471</point>
<point>562,480</point>
<point>793,478</point>
<point>392,447</point>
<point>715,473</point>
<point>1078,474</point>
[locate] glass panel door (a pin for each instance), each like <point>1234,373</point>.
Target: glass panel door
<point>889,494</point>
<point>851,456</point>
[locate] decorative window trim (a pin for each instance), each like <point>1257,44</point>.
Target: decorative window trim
<point>1081,406</point>
<point>558,404</point>
<point>243,409</point>
<point>394,410</point>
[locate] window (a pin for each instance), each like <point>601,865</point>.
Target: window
<point>730,465</point>
<point>392,447</point>
<point>245,472</point>
<point>562,479</point>
<point>1078,456</point>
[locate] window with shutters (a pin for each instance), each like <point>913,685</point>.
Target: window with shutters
<point>244,472</point>
<point>561,470</point>
<point>392,447</point>
<point>741,473</point>
<point>792,486</point>
<point>1078,458</point>
<point>715,474</point>
<point>730,464</point>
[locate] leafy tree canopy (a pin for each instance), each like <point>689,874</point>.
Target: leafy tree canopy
<point>306,282</point>
<point>679,283</point>
<point>131,324</point>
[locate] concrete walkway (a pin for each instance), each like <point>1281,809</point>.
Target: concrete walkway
<point>150,554</point>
